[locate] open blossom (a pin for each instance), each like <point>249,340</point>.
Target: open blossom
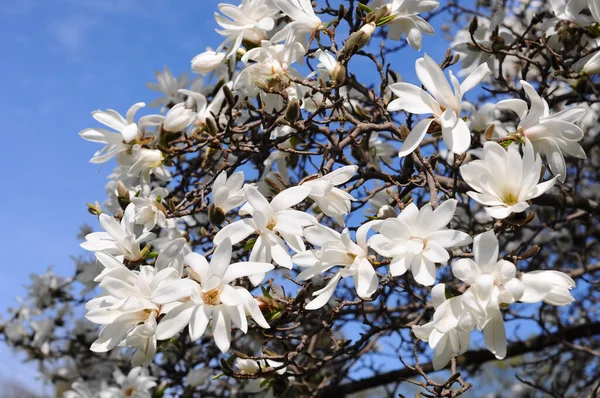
<point>126,312</point>
<point>142,162</point>
<point>250,21</point>
<point>418,239</point>
<point>119,238</point>
<point>275,223</point>
<point>449,332</point>
<point>304,21</point>
<point>440,101</point>
<point>407,22</point>
<point>494,283</point>
<point>337,249</point>
<point>128,132</point>
<point>168,85</point>
<point>206,299</point>
<point>550,135</point>
<point>332,201</point>
<point>271,72</point>
<point>326,66</point>
<point>150,211</point>
<point>503,180</point>
<point>227,194</point>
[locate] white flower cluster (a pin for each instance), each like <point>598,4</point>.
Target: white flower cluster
<point>154,286</point>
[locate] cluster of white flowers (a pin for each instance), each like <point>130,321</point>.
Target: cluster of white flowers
<point>153,286</point>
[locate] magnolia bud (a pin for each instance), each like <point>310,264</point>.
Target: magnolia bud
<point>229,96</point>
<point>338,74</point>
<point>216,215</point>
<point>357,40</point>
<point>386,211</point>
<point>178,118</point>
<point>473,25</point>
<point>489,132</point>
<point>292,112</point>
<point>207,62</point>
<point>211,125</point>
<point>123,196</point>
<point>592,66</point>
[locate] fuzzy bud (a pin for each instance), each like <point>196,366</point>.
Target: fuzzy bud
<point>473,25</point>
<point>339,74</point>
<point>216,215</point>
<point>357,40</point>
<point>292,112</point>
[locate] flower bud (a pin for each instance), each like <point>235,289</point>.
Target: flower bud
<point>592,66</point>
<point>338,74</point>
<point>216,215</point>
<point>178,118</point>
<point>357,40</point>
<point>473,25</point>
<point>292,112</point>
<point>207,62</point>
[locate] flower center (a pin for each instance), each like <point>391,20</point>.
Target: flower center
<point>212,297</point>
<point>511,199</point>
<point>272,223</point>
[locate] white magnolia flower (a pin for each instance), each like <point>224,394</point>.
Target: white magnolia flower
<point>326,66</point>
<point>332,201</point>
<point>128,132</point>
<point>483,117</point>
<point>444,104</point>
<point>206,297</point>
<point>119,239</point>
<point>550,135</point>
<point>271,71</point>
<point>407,22</point>
<point>250,21</point>
<point>142,162</point>
<point>552,287</point>
<point>418,239</point>
<point>503,181</point>
<point>566,10</point>
<point>304,21</point>
<point>137,383</point>
<point>495,285</point>
<point>207,62</point>
<point>178,118</point>
<point>126,311</point>
<point>150,211</point>
<point>275,223</point>
<point>168,85</point>
<point>251,366</point>
<point>337,249</point>
<point>228,192</point>
<point>449,331</point>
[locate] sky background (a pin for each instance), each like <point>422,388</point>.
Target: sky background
<point>61,60</point>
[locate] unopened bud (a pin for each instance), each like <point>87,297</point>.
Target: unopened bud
<point>386,211</point>
<point>489,132</point>
<point>123,196</point>
<point>357,40</point>
<point>473,25</point>
<point>229,96</point>
<point>207,62</point>
<point>404,132</point>
<point>292,112</point>
<point>531,252</point>
<point>94,208</point>
<point>338,74</point>
<point>178,118</point>
<point>341,12</point>
<point>211,125</point>
<point>216,215</point>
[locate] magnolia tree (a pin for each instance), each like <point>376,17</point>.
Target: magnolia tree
<point>297,220</point>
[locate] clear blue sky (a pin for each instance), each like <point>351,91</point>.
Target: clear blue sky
<point>62,59</point>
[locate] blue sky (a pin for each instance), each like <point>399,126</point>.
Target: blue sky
<point>63,59</point>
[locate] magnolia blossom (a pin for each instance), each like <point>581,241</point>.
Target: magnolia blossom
<point>304,21</point>
<point>150,211</point>
<point>326,66</point>
<point>120,239</point>
<point>142,162</point>
<point>592,66</point>
<point>126,312</point>
<point>331,200</point>
<point>250,21</point>
<point>495,285</point>
<point>271,72</point>
<point>594,6</point>
<point>444,104</point>
<point>227,194</point>
<point>275,223</point>
<point>178,118</point>
<point>206,297</point>
<point>338,250</point>
<point>207,62</point>
<point>552,287</point>
<point>407,22</point>
<point>418,239</point>
<point>550,135</point>
<point>449,332</point>
<point>168,85</point>
<point>503,180</point>
<point>128,132</point>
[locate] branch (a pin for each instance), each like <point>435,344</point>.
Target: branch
<point>470,358</point>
